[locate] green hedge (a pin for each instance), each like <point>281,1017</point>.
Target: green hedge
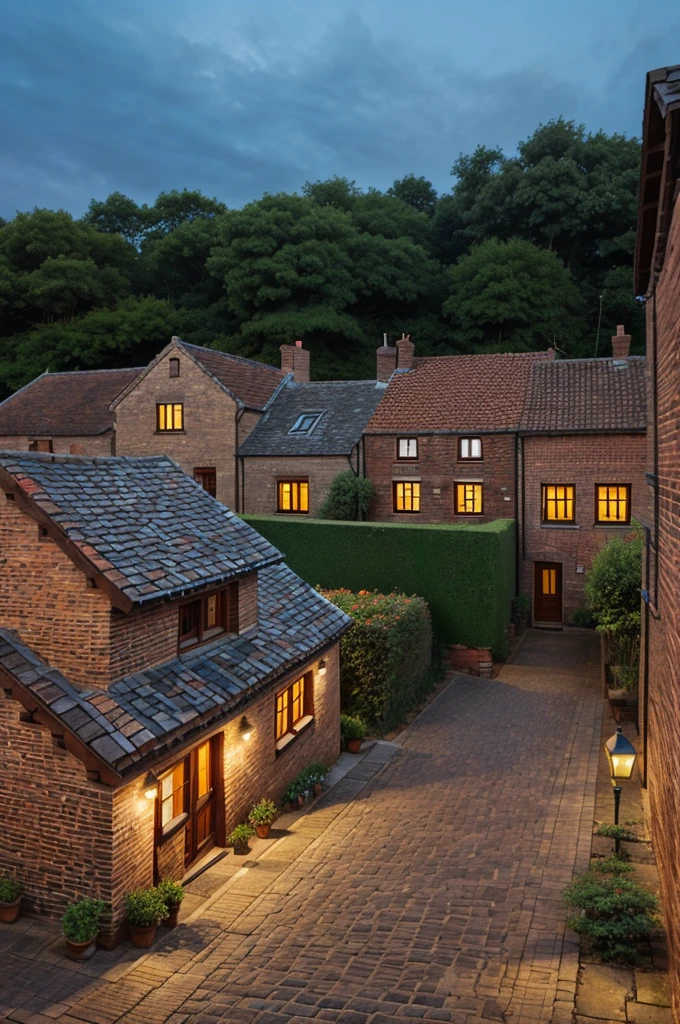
<point>385,658</point>
<point>466,574</point>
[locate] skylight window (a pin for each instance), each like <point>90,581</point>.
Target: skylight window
<point>305,423</point>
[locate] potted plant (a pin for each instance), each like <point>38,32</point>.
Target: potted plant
<point>316,774</point>
<point>80,926</point>
<point>262,816</point>
<point>10,899</point>
<point>352,731</point>
<point>239,839</point>
<point>144,910</point>
<point>173,893</point>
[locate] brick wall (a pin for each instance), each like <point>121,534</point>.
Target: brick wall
<point>262,473</point>
<point>582,460</point>
<point>142,638</point>
<point>98,444</point>
<point>247,602</point>
<point>208,439</point>
<point>438,468</point>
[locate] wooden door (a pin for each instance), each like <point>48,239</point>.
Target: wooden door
<point>547,592</point>
<point>200,828</point>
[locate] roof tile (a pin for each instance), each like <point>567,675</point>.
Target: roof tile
<point>586,394</point>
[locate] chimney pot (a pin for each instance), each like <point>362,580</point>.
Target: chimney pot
<point>386,359</point>
<point>620,344</point>
<point>405,348</point>
<point>298,344</point>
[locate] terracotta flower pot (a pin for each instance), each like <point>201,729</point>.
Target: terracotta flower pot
<point>10,911</point>
<point>354,746</point>
<point>262,830</point>
<point>171,920</point>
<point>318,789</point>
<point>301,800</point>
<point>142,936</point>
<point>80,950</point>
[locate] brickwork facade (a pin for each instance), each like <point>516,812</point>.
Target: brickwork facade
<point>261,475</point>
<point>582,461</point>
<point>101,444</point>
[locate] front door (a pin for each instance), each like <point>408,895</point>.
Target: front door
<point>200,828</point>
<point>547,592</point>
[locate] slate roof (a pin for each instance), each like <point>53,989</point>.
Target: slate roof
<point>346,408</point>
<point>571,395</point>
<point>457,393</point>
<point>145,713</point>
<point>145,526</point>
<point>65,404</point>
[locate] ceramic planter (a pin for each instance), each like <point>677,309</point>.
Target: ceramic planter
<point>354,746</point>
<point>262,830</point>
<point>80,950</point>
<point>142,936</point>
<point>318,789</point>
<point>10,911</point>
<point>171,920</point>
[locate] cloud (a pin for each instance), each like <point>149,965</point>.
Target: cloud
<point>96,101</point>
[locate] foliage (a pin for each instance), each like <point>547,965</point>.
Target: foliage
<point>616,914</point>
<point>352,728</point>
<point>521,606</point>
<point>619,832</point>
<point>349,497</point>
<point>10,890</point>
<point>466,574</point>
<point>305,781</point>
<point>80,923</point>
<point>613,865</point>
<point>239,836</point>
<point>171,891</point>
<point>613,585</point>
<point>145,907</point>
<point>417,192</point>
<point>582,617</point>
<point>263,813</point>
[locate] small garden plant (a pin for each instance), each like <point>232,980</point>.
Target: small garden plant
<point>10,890</point>
<point>263,813</point>
<point>145,907</point>
<point>239,836</point>
<point>172,892</point>
<point>80,923</point>
<point>352,728</point>
<point>619,832</point>
<point>304,781</point>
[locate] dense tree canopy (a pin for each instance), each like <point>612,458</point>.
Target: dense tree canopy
<point>524,251</point>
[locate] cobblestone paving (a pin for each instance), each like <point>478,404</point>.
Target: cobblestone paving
<point>432,894</point>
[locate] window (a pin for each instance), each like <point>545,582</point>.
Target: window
<point>174,367</point>
<point>470,448</point>
<point>294,710</point>
<point>406,496</point>
<point>469,499</point>
<point>169,416</point>
<point>612,503</point>
<point>207,478</point>
<point>293,496</point>
<point>44,445</point>
<point>557,503</point>
<point>208,616</point>
<point>173,796</point>
<point>305,423</point>
<point>407,448</point>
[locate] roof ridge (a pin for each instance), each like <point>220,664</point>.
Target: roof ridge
<point>103,369</point>
<point>228,355</point>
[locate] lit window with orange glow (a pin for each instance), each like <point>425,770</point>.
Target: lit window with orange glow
<point>558,504</point>
<point>294,710</point>
<point>612,503</point>
<point>406,496</point>
<point>169,416</point>
<point>469,499</point>
<point>293,496</point>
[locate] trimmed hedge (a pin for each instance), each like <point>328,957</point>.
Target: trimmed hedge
<point>385,657</point>
<point>466,574</point>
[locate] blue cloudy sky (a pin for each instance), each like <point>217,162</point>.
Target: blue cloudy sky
<point>236,97</point>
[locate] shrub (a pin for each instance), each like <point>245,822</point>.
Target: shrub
<point>613,585</point>
<point>263,813</point>
<point>352,728</point>
<point>145,907</point>
<point>349,498</point>
<point>305,780</point>
<point>617,832</point>
<point>583,617</point>
<point>239,836</point>
<point>616,914</point>
<point>172,892</point>
<point>10,890</point>
<point>80,923</point>
<point>385,659</point>
<point>613,865</point>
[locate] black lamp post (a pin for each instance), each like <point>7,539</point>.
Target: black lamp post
<point>621,755</point>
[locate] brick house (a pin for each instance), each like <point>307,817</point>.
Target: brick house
<point>309,433</point>
<point>442,446</point>
<point>657,278</point>
<point>161,670</point>
<point>65,412</point>
<point>581,471</point>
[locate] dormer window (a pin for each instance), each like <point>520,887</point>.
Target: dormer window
<point>174,367</point>
<point>305,423</point>
<point>208,616</point>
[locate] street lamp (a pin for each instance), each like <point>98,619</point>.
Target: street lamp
<point>621,755</point>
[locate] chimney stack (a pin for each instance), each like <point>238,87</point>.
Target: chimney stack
<point>620,344</point>
<point>295,360</point>
<point>386,358</point>
<point>405,348</point>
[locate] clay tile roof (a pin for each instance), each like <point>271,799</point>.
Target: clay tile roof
<point>143,524</point>
<point>343,407</point>
<point>65,404</point>
<point>252,383</point>
<point>457,393</point>
<point>572,395</point>
<point>142,714</point>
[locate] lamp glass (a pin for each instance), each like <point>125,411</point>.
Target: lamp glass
<point>322,668</point>
<point>621,755</point>
<point>622,765</point>
<point>245,728</point>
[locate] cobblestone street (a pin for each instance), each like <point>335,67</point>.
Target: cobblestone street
<point>424,885</point>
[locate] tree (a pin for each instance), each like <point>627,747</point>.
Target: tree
<point>349,498</point>
<point>119,215</point>
<point>416,192</point>
<point>613,584</point>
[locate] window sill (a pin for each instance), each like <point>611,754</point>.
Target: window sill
<point>163,432</point>
<point>292,512</point>
<point>611,526</point>
<point>284,743</point>
<point>560,526</point>
<point>172,828</point>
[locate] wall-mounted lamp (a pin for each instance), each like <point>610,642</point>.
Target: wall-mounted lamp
<point>150,785</point>
<point>322,667</point>
<point>245,728</point>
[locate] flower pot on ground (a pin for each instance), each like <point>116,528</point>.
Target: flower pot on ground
<point>262,815</point>
<point>10,900</point>
<point>352,731</point>
<point>80,926</point>
<point>239,839</point>
<point>173,893</point>
<point>144,910</point>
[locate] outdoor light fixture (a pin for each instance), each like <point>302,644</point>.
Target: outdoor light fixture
<point>150,785</point>
<point>245,728</point>
<point>322,667</point>
<point>621,755</point>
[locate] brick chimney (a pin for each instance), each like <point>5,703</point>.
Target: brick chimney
<point>386,359</point>
<point>405,348</point>
<point>620,344</point>
<point>295,360</point>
